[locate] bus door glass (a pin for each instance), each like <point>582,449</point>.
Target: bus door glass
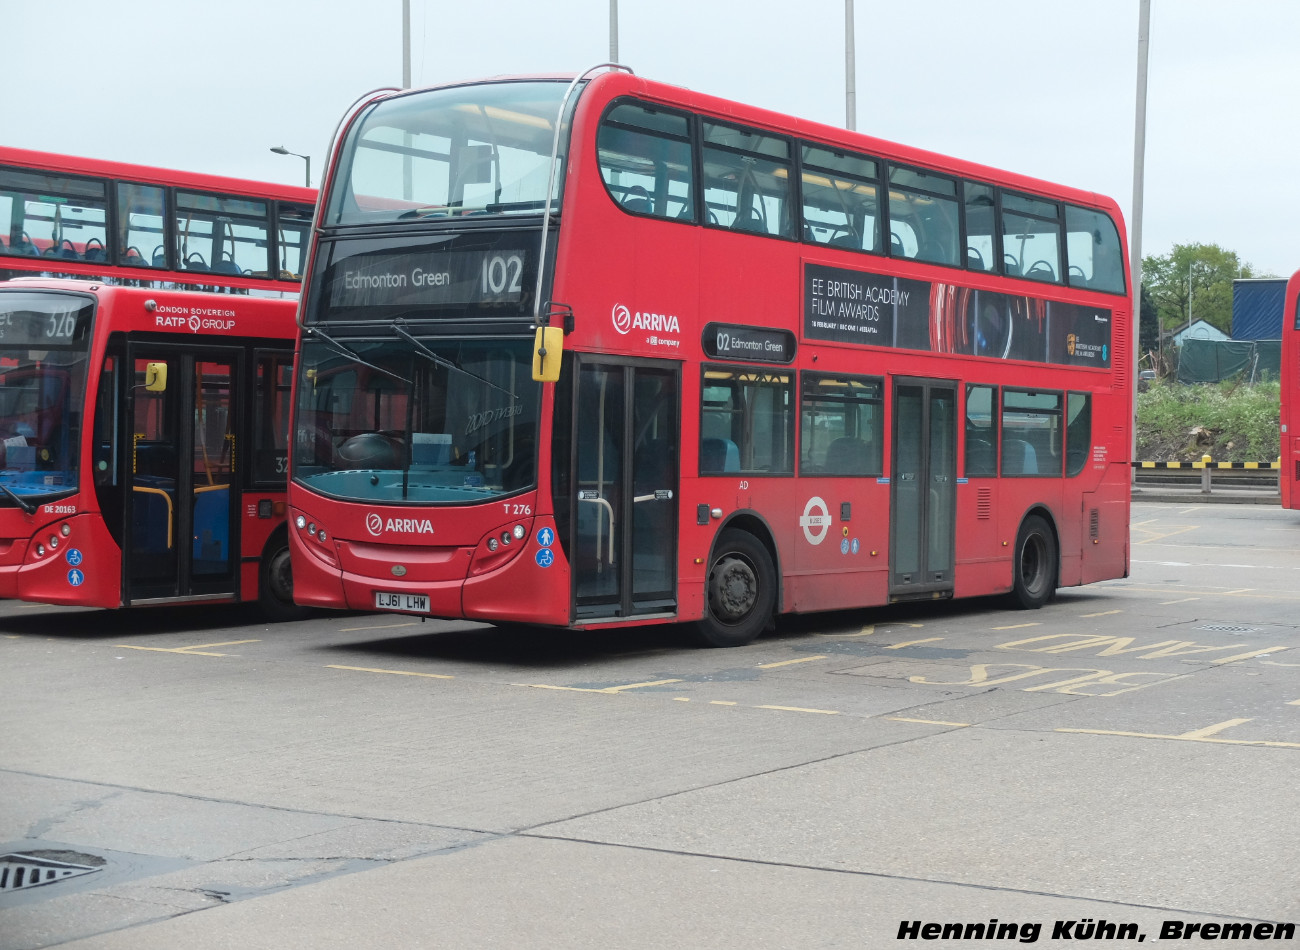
<point>923,487</point>
<point>182,464</point>
<point>625,502</point>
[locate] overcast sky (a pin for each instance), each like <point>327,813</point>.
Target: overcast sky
<point>1041,87</point>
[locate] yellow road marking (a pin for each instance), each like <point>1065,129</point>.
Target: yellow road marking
<point>367,669</point>
<point>908,643</point>
<point>927,722</point>
<point>1017,626</point>
<point>382,626</point>
<point>721,702</point>
<point>806,659</point>
<point>681,699</point>
<point>1185,600</point>
<point>587,689</point>
<point>1167,534</point>
<point>196,650</point>
<point>1294,702</point>
<point>824,712</point>
<point>1104,613</point>
<point>1208,734</point>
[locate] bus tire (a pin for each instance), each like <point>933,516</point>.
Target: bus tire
<point>275,583</point>
<point>1034,568</point>
<point>740,591</point>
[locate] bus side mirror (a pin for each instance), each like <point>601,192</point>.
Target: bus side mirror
<point>547,350</point>
<point>155,377</point>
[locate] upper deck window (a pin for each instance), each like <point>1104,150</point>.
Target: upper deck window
<point>47,215</point>
<point>645,161</point>
<point>477,149</point>
<point>1031,238</point>
<point>923,223</point>
<point>222,234</point>
<point>840,199</point>
<point>1092,246</point>
<point>746,180</point>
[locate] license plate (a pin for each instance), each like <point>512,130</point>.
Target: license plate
<point>386,600</point>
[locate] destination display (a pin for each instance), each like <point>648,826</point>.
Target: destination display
<point>469,274</point>
<point>848,306</point>
<point>44,321</point>
<point>725,341</point>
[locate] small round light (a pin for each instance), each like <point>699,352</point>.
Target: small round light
<point>519,532</point>
<point>311,529</point>
<point>321,537</point>
<point>54,541</point>
<point>492,544</point>
<point>40,550</point>
<point>505,537</point>
<point>301,522</point>
<point>65,530</point>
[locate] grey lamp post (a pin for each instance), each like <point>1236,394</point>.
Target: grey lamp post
<point>281,150</point>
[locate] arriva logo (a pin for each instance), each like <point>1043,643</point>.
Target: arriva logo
<point>625,321</point>
<point>377,525</point>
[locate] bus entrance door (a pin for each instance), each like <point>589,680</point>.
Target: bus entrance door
<point>923,489</point>
<point>181,537</point>
<point>625,489</point>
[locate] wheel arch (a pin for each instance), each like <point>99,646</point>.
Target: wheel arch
<point>1042,510</point>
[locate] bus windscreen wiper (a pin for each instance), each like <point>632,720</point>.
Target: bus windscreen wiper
<point>19,500</point>
<point>352,355</point>
<point>442,360</point>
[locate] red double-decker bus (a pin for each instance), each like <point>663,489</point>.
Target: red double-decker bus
<point>64,216</point>
<point>604,351</point>
<point>1289,437</point>
<point>143,445</point>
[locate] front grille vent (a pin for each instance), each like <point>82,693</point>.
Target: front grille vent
<point>21,871</point>
<point>1094,524</point>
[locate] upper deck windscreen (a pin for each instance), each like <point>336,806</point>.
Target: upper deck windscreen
<point>478,149</point>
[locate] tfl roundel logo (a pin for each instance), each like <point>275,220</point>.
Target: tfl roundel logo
<point>374,524</point>
<point>622,318</point>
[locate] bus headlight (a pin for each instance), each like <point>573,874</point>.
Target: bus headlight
<point>40,550</point>
<point>300,522</point>
<point>65,530</point>
<point>519,532</point>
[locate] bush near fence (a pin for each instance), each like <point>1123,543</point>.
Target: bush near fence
<point>1229,421</point>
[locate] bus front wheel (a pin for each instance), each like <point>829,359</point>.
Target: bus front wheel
<point>1035,565</point>
<point>740,591</point>
<point>275,584</point>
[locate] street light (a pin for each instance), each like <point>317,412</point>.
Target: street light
<point>281,150</point>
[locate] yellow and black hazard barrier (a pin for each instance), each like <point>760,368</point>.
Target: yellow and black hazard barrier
<point>1207,462</point>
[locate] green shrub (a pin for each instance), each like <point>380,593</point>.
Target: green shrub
<point>1229,421</point>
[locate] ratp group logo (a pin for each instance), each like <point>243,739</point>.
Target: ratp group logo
<point>622,318</point>
<point>374,524</point>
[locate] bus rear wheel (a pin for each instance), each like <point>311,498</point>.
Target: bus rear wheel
<point>1035,565</point>
<point>275,584</point>
<point>740,591</point>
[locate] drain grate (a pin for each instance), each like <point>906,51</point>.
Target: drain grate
<point>21,871</point>
<point>1229,628</point>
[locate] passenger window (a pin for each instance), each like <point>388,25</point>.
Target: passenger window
<point>141,213</point>
<point>645,161</point>
<point>926,205</point>
<point>840,199</point>
<point>981,432</point>
<point>1078,432</point>
<point>1031,238</point>
<point>293,231</point>
<point>980,227</point>
<point>746,180</point>
<point>222,235</point>
<point>746,422</point>
<point>53,215</point>
<point>842,426</point>
<point>1031,433</point>
<point>1093,249</point>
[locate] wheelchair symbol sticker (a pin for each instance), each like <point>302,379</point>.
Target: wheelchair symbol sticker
<point>76,578</point>
<point>545,557</point>
<point>73,557</point>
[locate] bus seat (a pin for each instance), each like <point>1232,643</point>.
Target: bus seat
<point>637,200</point>
<point>847,456</point>
<point>195,261</point>
<point>748,220</point>
<point>226,266</point>
<point>849,240</point>
<point>159,257</point>
<point>718,456</point>
<point>211,528</point>
<point>896,245</point>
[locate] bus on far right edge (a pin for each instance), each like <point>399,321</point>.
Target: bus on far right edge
<point>1288,476</point>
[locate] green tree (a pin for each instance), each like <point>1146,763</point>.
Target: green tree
<point>1194,282</point>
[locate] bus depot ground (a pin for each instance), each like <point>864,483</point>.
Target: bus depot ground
<point>1127,754</point>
